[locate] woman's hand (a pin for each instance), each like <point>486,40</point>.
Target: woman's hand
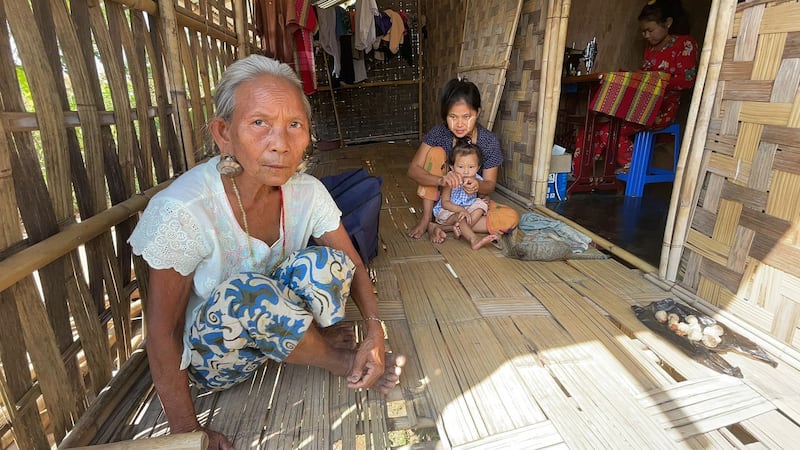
<point>369,364</point>
<point>451,179</point>
<point>217,440</point>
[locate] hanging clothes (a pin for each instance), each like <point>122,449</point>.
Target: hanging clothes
<point>345,45</point>
<point>304,27</point>
<point>328,38</point>
<point>395,34</point>
<point>272,19</point>
<point>366,10</point>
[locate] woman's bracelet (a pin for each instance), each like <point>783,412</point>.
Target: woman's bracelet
<point>374,318</point>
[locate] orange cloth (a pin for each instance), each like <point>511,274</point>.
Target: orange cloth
<point>435,164</point>
<point>501,219</point>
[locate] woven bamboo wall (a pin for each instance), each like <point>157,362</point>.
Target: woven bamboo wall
<point>441,52</point>
<point>517,115</point>
<point>87,121</point>
<point>742,251</point>
<point>489,30</point>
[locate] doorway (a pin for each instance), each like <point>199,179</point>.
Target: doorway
<point>635,224</point>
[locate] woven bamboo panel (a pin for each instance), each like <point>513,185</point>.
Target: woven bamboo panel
<point>743,250</point>
<point>489,30</point>
<point>441,49</point>
<point>88,120</point>
<point>515,123</point>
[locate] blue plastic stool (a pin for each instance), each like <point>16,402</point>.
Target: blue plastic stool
<point>641,171</point>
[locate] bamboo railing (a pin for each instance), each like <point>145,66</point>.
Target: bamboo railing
<point>101,103</point>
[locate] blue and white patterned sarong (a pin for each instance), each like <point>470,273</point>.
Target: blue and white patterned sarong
<point>252,317</point>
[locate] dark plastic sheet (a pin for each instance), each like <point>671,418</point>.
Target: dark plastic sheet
<point>708,356</point>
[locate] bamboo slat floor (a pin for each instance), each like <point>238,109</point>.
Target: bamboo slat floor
<point>501,353</point>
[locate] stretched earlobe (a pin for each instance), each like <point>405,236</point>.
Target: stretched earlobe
<point>229,166</point>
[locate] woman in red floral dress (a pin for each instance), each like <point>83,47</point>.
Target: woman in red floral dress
<point>675,54</point>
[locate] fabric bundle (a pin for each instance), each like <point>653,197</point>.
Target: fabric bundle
<point>632,96</point>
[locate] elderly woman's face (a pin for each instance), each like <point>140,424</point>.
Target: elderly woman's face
<point>269,130</point>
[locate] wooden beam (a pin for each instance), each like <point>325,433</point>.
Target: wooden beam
<point>22,264</point>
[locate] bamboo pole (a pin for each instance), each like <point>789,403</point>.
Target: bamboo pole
<point>184,441</point>
<point>540,120</point>
<point>372,84</point>
<point>333,101</point>
<point>420,70</point>
<point>694,154</point>
<point>177,84</point>
<point>555,97</point>
<point>550,91</point>
<point>241,28</point>
<point>688,136</point>
<point>21,264</point>
<point>95,416</point>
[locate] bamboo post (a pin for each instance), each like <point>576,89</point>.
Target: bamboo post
<point>177,83</point>
<point>541,100</point>
<point>333,100</point>
<point>549,83</point>
<point>688,136</point>
<point>688,194</point>
<point>420,71</point>
<point>241,27</point>
<point>551,105</point>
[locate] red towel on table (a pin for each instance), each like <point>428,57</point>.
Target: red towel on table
<point>633,96</point>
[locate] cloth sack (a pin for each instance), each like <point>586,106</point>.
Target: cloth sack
<point>358,195</point>
<point>632,96</point>
<point>540,238</point>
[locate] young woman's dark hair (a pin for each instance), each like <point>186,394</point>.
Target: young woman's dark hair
<point>465,147</point>
<point>457,90</point>
<point>659,10</point>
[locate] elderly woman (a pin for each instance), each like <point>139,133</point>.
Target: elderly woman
<point>232,282</point>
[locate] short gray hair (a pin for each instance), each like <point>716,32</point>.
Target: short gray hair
<point>247,69</point>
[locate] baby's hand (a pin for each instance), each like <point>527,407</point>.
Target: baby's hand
<point>464,215</point>
<point>470,185</point>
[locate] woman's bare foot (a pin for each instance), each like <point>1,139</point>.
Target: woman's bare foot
<point>457,230</point>
<point>419,229</point>
<point>391,376</point>
<point>478,243</point>
<point>436,233</point>
<point>341,335</point>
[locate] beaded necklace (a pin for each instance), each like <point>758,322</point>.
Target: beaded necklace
<point>247,228</point>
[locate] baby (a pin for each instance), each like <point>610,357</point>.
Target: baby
<point>465,212</point>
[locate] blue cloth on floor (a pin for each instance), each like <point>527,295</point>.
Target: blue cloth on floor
<point>545,227</point>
